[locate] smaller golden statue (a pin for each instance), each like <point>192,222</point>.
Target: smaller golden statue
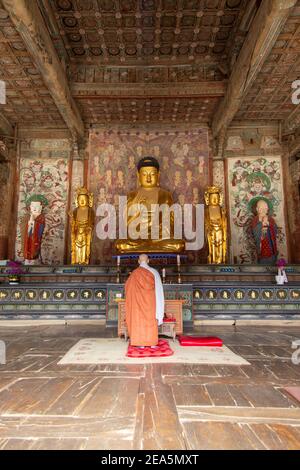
<point>215,226</point>
<point>82,224</point>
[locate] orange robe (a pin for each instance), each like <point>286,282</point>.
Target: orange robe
<point>140,305</point>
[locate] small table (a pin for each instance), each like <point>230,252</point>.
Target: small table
<point>168,329</point>
<point>173,309</point>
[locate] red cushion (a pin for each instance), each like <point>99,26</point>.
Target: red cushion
<point>161,350</point>
<point>200,341</point>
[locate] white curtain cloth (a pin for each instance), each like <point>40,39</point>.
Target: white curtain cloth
<point>159,293</point>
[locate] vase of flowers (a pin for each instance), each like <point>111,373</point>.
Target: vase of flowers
<point>281,277</point>
<point>15,270</point>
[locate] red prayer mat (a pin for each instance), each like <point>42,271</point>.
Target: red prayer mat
<point>161,350</point>
<point>200,341</point>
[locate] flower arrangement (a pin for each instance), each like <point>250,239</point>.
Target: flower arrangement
<point>14,271</point>
<point>281,278</point>
<point>281,263</point>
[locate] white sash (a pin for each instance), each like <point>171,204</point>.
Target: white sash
<point>159,293</point>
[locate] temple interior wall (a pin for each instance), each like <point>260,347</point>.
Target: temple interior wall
<point>50,165</point>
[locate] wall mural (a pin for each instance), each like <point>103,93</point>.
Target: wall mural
<point>47,177</point>
<point>5,181</point>
<point>249,180</point>
<point>184,161</point>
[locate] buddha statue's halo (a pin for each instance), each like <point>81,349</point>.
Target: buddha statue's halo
<point>148,162</point>
<point>37,198</point>
<point>252,205</point>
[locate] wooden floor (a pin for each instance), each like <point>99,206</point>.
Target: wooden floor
<point>46,406</point>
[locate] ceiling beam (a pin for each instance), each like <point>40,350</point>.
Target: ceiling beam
<point>29,23</point>
<point>5,127</point>
<point>264,31</point>
<point>154,90</point>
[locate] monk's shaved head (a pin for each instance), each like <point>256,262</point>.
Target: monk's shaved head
<point>143,259</point>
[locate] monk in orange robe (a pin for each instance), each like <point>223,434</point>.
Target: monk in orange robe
<point>144,304</point>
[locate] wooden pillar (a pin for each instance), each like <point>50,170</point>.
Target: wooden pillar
<point>8,177</point>
<point>291,171</point>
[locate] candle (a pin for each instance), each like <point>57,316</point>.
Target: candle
<point>164,272</point>
<point>178,260</point>
<point>118,260</point>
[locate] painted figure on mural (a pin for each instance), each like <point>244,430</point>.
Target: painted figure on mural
<point>195,196</point>
<point>177,180</point>
<point>215,226</point>
<point>131,162</point>
<point>201,165</point>
<point>189,177</point>
<point>82,224</point>
<point>264,230</point>
<point>120,179</point>
<point>34,229</point>
<point>259,184</point>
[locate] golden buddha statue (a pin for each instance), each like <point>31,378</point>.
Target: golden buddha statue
<point>215,226</point>
<point>140,214</point>
<point>82,224</point>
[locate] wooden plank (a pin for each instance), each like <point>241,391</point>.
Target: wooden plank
<point>161,426</point>
<point>33,396</point>
<point>259,371</point>
<point>217,436</point>
<point>44,396</point>
<point>16,444</point>
<point>279,437</point>
<point>284,370</point>
<point>246,351</point>
<point>265,396</point>
<point>191,395</point>
<point>188,370</point>
<point>37,427</point>
<point>267,351</point>
<point>112,397</point>
<point>111,441</point>
<point>245,415</point>
<point>237,396</point>
<point>59,444</point>
<point>6,382</point>
<point>219,395</point>
<point>42,362</point>
<point>21,364</point>
<point>19,392</point>
<point>74,396</point>
<point>231,371</point>
<point>142,90</point>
